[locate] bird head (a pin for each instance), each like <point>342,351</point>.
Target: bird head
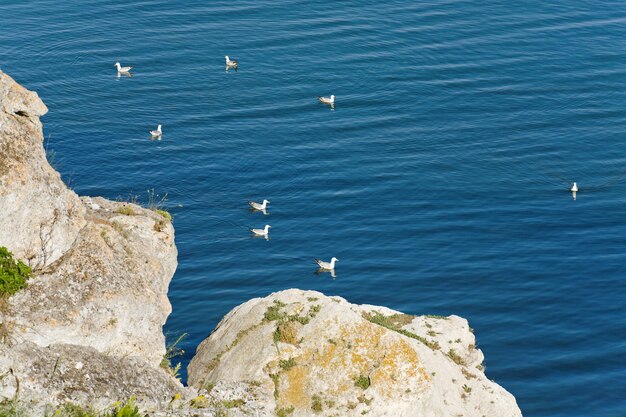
<point>334,259</point>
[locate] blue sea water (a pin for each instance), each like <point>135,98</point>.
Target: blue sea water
<point>439,180</point>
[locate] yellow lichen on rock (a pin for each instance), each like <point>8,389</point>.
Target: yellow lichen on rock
<point>321,356</point>
<point>294,387</point>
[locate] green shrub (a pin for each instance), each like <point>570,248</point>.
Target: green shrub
<point>125,210</point>
<point>395,323</point>
<point>287,364</point>
<point>165,214</point>
<point>316,403</point>
<point>13,273</point>
<point>173,350</point>
<point>456,358</point>
<point>273,313</point>
<point>284,412</point>
<point>128,409</point>
<point>362,382</point>
<point>233,403</point>
<point>11,409</point>
<point>75,410</point>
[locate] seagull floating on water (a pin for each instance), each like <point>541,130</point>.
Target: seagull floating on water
<point>230,63</point>
<point>121,68</point>
<point>330,266</point>
<point>257,206</point>
<point>327,100</point>
<point>574,190</point>
<point>262,232</point>
<point>156,133</point>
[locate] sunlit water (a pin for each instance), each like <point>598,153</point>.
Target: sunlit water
<point>439,180</point>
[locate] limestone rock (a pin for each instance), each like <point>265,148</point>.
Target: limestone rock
<point>82,375</point>
<point>88,328</point>
<point>320,353</point>
<point>109,290</point>
<point>41,217</point>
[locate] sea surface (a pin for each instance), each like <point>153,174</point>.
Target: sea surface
<point>440,179</point>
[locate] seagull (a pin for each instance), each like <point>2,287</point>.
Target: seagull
<point>257,206</point>
<point>262,232</point>
<point>122,69</point>
<point>330,266</point>
<point>574,190</point>
<point>327,100</point>
<point>156,133</point>
<point>230,63</point>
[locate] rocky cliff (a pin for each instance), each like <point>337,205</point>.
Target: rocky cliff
<point>89,325</point>
<point>88,328</point>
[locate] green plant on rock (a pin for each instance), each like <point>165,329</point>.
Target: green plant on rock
<point>125,210</point>
<point>287,364</point>
<point>284,412</point>
<point>316,403</point>
<point>12,409</point>
<point>13,273</point>
<point>200,402</point>
<point>156,201</point>
<point>173,350</point>
<point>273,313</point>
<point>127,409</point>
<point>362,381</point>
<point>456,358</point>
<point>237,403</point>
<point>165,214</point>
<point>395,323</point>
<point>276,380</point>
<point>74,410</point>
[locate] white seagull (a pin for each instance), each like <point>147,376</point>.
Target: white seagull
<point>257,206</point>
<point>262,232</point>
<point>327,100</point>
<point>121,68</point>
<point>330,266</point>
<point>156,133</point>
<point>230,63</point>
<point>574,190</point>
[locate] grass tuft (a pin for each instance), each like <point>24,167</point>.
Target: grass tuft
<point>233,403</point>
<point>394,322</point>
<point>362,382</point>
<point>125,210</point>
<point>456,358</point>
<point>288,363</point>
<point>316,403</point>
<point>128,409</point>
<point>284,412</point>
<point>166,214</point>
<point>13,273</point>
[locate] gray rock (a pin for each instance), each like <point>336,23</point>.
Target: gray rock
<point>95,307</point>
<point>320,353</point>
<point>41,217</point>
